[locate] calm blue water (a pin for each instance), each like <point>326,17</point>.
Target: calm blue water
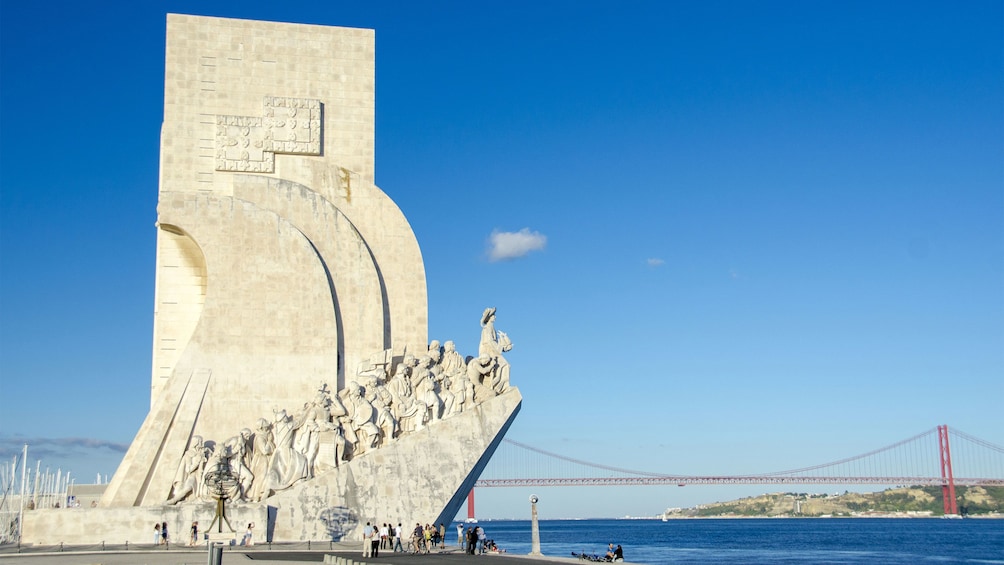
<point>764,541</point>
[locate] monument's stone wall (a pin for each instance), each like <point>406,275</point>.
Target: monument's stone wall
<point>229,88</point>
<point>280,265</point>
<point>291,372</point>
<point>118,526</point>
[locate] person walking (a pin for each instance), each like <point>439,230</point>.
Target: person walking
<point>398,533</point>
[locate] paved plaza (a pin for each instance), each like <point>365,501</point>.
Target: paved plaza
<point>262,555</point>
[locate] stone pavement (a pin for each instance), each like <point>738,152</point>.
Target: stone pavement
<point>264,555</point>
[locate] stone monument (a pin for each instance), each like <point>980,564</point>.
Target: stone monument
<point>292,376</point>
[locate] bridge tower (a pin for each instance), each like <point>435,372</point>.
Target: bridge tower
<point>947,479</point>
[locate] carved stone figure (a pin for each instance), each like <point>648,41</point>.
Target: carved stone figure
<point>463,391</point>
<point>362,417</point>
<point>289,466</point>
<point>187,480</point>
<point>480,371</point>
<point>262,450</point>
<point>230,456</point>
<point>381,399</point>
<point>406,410</point>
<point>240,448</point>
<point>435,352</point>
<point>420,370</point>
<point>427,394</point>
<point>453,362</point>
<point>494,343</point>
<point>316,419</point>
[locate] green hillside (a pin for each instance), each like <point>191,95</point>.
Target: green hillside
<point>905,501</point>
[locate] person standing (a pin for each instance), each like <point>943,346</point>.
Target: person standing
<point>156,534</point>
<point>375,541</point>
<point>195,534</point>
<point>442,536</point>
<point>163,533</point>
<point>472,540</point>
<point>367,540</point>
<point>482,539</point>
<point>460,536</point>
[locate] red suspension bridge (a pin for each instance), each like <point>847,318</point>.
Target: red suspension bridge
<point>930,458</point>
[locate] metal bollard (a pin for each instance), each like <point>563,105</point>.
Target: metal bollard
<point>215,553</point>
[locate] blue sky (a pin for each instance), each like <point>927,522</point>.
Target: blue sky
<point>761,235</point>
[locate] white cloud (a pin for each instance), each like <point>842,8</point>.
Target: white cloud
<point>654,262</point>
<point>504,245</point>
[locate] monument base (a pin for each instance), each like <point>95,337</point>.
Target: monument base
<point>422,477</point>
<point>133,524</point>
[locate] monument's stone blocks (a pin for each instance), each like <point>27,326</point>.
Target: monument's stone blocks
<point>291,372</point>
<point>260,97</point>
<point>118,526</point>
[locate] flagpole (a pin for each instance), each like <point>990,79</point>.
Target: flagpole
<point>24,480</point>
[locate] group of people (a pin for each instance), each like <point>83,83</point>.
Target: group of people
<point>160,533</point>
<point>387,398</point>
<point>614,554</point>
<point>475,541</point>
<point>423,539</point>
<point>389,536</point>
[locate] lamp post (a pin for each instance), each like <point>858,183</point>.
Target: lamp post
<point>534,527</point>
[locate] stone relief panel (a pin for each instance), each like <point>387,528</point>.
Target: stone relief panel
<point>390,396</point>
<point>249,143</point>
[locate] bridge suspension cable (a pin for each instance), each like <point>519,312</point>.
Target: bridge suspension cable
<point>914,460</point>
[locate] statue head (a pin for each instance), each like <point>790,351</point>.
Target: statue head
<point>450,346</point>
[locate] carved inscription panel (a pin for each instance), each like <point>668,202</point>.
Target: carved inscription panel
<point>249,143</point>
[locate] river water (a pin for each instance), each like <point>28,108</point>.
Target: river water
<point>764,541</point>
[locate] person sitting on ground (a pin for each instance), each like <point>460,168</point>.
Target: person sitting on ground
<point>610,552</point>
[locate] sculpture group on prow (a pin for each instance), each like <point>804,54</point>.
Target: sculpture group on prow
<point>388,397</point>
